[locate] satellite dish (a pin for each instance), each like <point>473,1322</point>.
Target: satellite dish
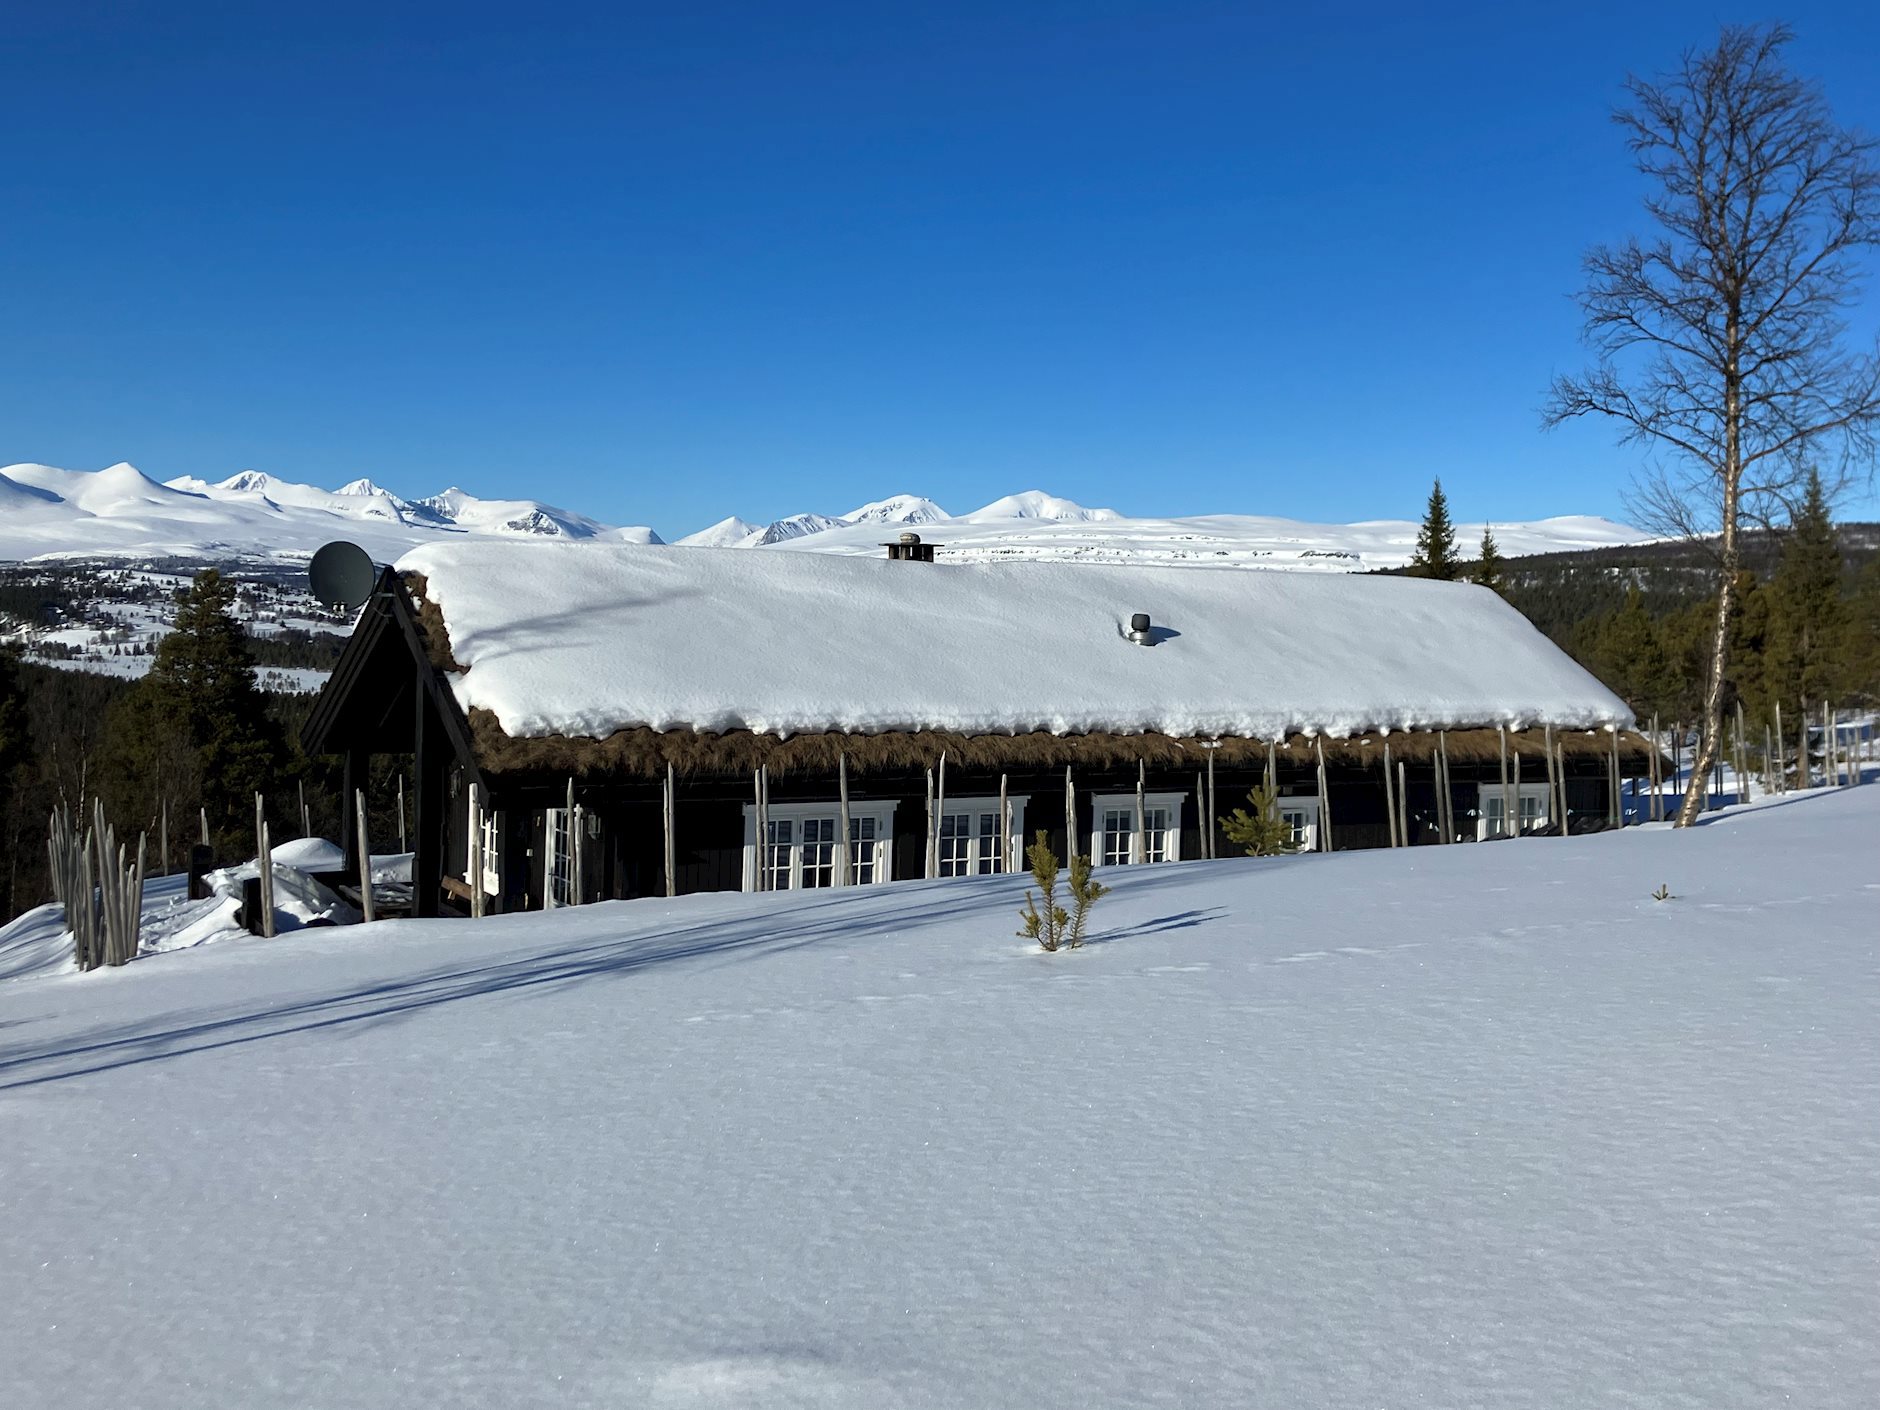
<point>342,575</point>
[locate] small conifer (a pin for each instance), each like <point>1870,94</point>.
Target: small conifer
<point>1488,571</point>
<point>1436,555</point>
<point>1260,829</point>
<point>1053,927</point>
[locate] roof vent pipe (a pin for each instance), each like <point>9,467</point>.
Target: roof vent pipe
<point>1139,629</point>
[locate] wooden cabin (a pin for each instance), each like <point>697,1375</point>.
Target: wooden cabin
<point>594,722</point>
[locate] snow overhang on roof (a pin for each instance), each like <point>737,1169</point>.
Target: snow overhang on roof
<point>586,639</point>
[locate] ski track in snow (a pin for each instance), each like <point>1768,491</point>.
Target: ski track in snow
<point>1480,1125</point>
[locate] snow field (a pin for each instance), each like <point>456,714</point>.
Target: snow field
<point>1444,1126</point>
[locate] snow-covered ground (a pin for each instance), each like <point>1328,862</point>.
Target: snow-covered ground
<point>1479,1125</point>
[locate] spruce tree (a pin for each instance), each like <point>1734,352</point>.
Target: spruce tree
<point>1436,555</point>
<point>201,699</point>
<point>1488,570</point>
<point>1632,658</point>
<point>1809,621</point>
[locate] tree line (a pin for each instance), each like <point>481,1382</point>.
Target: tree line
<point>1804,621</point>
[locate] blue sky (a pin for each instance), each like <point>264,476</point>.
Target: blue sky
<point>665,263</point>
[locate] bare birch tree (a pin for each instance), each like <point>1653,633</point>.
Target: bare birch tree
<point>1721,340</point>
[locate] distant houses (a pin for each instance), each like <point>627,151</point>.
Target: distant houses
<point>592,722</point>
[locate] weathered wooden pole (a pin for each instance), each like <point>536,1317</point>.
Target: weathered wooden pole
<point>1005,827</point>
<point>939,809</point>
<point>1507,803</point>
<point>264,867</point>
<point>573,816</point>
<point>1445,798</point>
<point>1403,802</point>
<point>1070,814</point>
<point>1201,813</point>
<point>928,846</point>
<point>1547,748</point>
<point>475,867</point>
<point>1517,793</point>
<point>365,857</point>
<point>1325,799</point>
<point>1139,848</point>
<point>763,812</point>
<point>1560,771</point>
<point>306,821</point>
<point>1390,799</point>
<point>1782,750</point>
<point>203,813</point>
<point>403,840</point>
<point>1618,800</point>
<point>760,844</point>
<point>845,849</point>
<point>670,819</point>
<point>166,838</point>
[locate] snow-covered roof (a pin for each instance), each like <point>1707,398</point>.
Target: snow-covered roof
<point>586,639</point>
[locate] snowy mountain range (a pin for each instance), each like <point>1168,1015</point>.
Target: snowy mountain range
<point>119,512</point>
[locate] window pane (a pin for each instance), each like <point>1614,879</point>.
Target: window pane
<point>1155,842</point>
<point>777,855</point>
<point>561,889</point>
<point>1118,826</point>
<point>819,852</point>
<point>955,844</point>
<point>862,850</point>
<point>989,859</point>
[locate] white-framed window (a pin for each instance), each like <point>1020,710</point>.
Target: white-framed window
<point>1491,807</point>
<point>802,852</point>
<point>969,836</point>
<point>1302,816</point>
<point>1115,839</point>
<point>560,853</point>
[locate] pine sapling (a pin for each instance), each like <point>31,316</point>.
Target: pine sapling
<point>1046,926</point>
<point>1263,832</point>
<point>1086,891</point>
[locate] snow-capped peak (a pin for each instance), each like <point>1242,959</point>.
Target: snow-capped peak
<point>247,482</point>
<point>898,509</point>
<point>363,486</point>
<point>1036,504</point>
<point>729,532</point>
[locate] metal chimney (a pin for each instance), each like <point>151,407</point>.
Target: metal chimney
<point>909,549</point>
